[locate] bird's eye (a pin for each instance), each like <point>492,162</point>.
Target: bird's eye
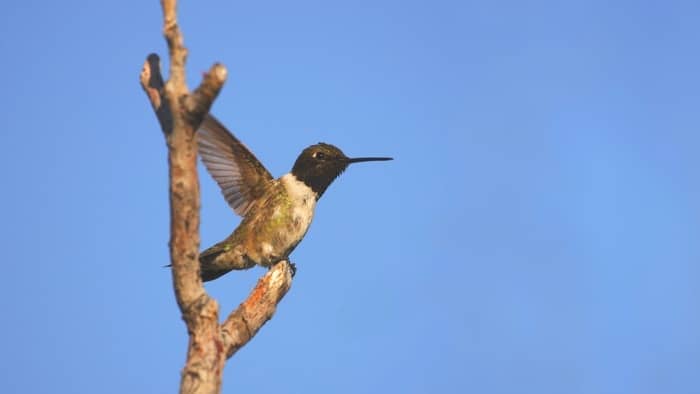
<point>319,156</point>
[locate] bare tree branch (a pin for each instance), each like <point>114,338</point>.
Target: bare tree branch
<point>198,103</point>
<point>243,323</point>
<point>205,357</point>
<point>180,114</point>
<point>176,46</point>
<point>153,84</point>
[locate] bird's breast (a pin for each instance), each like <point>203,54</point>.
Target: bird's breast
<point>302,202</point>
<point>287,216</point>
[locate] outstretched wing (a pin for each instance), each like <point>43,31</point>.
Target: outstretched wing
<point>241,177</point>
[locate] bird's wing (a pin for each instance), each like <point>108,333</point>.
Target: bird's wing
<point>241,177</point>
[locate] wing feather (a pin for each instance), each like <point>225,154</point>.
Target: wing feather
<point>241,177</point>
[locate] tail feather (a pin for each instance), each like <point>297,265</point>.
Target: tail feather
<point>211,274</point>
<point>219,260</point>
<point>214,262</point>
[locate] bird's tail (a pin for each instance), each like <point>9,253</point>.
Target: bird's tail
<point>210,271</point>
<point>214,262</point>
<point>218,260</point>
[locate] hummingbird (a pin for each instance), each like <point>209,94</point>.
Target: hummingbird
<point>276,212</point>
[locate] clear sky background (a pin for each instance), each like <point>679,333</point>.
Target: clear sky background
<point>537,233</point>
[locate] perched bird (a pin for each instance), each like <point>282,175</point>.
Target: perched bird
<point>276,212</point>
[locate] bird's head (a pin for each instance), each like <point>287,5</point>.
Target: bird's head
<point>318,165</point>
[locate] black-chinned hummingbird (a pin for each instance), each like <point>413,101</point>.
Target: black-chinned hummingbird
<point>276,212</point>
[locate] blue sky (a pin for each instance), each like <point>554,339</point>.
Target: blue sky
<point>537,232</point>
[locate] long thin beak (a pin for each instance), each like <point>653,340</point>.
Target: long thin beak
<point>361,159</point>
